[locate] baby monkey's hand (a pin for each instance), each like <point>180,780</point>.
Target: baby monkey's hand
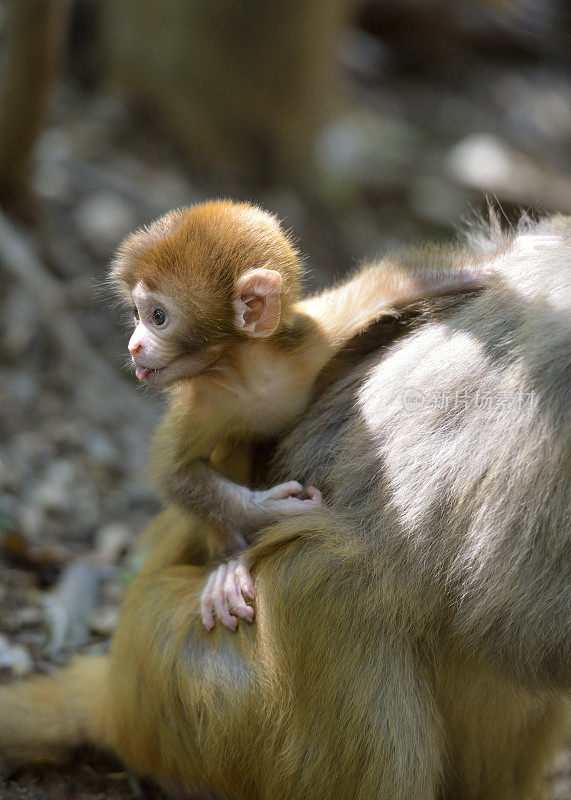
<point>282,501</point>
<point>224,596</point>
<point>230,585</point>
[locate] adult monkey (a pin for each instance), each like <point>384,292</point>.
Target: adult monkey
<point>412,638</point>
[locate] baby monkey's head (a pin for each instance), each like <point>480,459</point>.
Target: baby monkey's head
<point>201,279</point>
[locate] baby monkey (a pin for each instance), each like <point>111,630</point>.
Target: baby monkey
<point>219,323</point>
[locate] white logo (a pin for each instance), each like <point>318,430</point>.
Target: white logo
<point>413,400</point>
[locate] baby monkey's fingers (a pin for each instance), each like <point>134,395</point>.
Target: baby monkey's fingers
<point>282,491</point>
<point>206,601</point>
<point>314,495</point>
<point>219,598</point>
<point>224,592</point>
<point>284,500</point>
<point>295,505</point>
<point>310,498</point>
<point>238,583</point>
<point>245,582</point>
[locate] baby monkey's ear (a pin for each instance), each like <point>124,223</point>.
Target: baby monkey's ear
<point>257,302</point>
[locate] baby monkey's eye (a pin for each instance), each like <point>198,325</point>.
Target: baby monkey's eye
<point>135,313</point>
<point>159,316</point>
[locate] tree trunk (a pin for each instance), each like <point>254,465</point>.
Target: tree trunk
<point>33,38</point>
<point>242,85</point>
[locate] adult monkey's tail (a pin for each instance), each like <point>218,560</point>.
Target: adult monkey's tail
<point>42,719</point>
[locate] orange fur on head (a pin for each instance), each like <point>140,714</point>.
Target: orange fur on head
<point>200,252</point>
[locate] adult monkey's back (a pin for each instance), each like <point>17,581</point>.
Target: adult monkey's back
<point>411,641</point>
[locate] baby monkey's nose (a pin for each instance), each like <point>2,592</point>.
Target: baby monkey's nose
<point>134,345</point>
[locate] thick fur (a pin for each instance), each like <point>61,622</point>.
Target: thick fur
<point>227,380</point>
<point>412,639</point>
<point>199,253</point>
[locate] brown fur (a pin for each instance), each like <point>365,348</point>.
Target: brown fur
<point>424,648</point>
<point>255,388</point>
<point>199,252</point>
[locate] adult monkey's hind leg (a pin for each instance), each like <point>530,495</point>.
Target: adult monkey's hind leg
<point>302,704</point>
<point>181,694</point>
<point>317,699</point>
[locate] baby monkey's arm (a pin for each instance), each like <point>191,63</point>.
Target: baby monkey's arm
<point>230,586</point>
<point>182,449</point>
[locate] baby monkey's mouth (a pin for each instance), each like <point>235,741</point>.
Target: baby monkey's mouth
<point>143,372</point>
<point>186,367</point>
<point>153,375</point>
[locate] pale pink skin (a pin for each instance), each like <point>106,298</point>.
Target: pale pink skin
<point>230,584</point>
<point>224,597</point>
<point>158,363</point>
<point>157,359</point>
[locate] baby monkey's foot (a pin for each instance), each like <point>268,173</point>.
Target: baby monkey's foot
<point>281,501</point>
<point>223,597</point>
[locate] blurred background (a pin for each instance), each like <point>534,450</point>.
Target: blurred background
<point>363,124</point>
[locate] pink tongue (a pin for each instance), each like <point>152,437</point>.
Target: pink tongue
<point>141,373</point>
